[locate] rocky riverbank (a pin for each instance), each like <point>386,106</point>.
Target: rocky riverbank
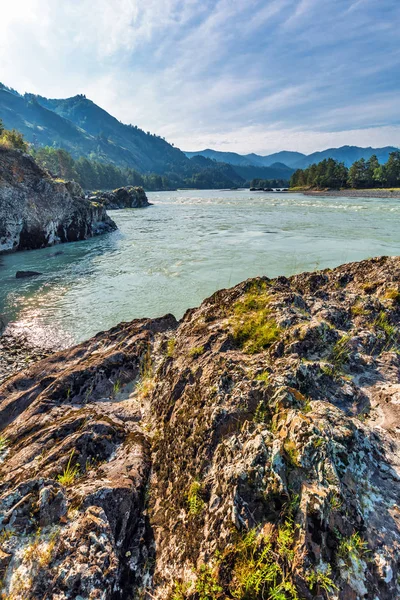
<point>355,193</point>
<point>250,450</point>
<point>37,210</point>
<point>125,197</point>
<point>17,353</point>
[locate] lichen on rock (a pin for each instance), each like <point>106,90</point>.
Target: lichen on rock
<point>263,466</point>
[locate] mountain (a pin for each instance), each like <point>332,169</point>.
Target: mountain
<point>84,129</point>
<point>275,171</point>
<point>226,157</point>
<point>345,154</point>
<point>286,157</point>
<point>289,159</point>
<point>244,167</point>
<point>297,160</point>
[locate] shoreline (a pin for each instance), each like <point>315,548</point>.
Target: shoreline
<point>353,193</point>
<point>17,353</point>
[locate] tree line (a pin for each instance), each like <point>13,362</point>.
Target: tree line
<point>93,174</point>
<point>362,174</point>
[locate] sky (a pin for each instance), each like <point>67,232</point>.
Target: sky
<point>232,75</point>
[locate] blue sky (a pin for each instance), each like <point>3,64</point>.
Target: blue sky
<point>234,75</point>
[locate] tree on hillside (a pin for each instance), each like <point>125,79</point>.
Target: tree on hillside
<point>12,139</point>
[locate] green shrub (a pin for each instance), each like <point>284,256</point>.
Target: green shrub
<point>353,548</point>
<point>13,139</point>
<point>206,585</point>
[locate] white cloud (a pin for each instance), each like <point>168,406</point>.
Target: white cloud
<point>251,75</point>
<point>251,139</point>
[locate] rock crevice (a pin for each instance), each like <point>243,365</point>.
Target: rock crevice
<point>249,451</point>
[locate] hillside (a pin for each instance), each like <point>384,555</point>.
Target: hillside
<point>85,129</point>
<point>249,451</point>
<point>275,171</point>
<point>232,158</point>
<point>297,160</point>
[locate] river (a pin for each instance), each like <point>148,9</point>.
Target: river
<point>172,255</point>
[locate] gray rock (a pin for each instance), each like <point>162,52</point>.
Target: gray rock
<point>133,467</point>
<point>124,197</point>
<point>37,210</point>
<point>25,274</point>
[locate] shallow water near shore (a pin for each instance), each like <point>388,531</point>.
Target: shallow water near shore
<point>172,255</point>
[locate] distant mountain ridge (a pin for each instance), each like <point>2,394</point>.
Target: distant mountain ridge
<point>232,158</point>
<point>84,129</point>
<point>297,160</point>
<point>346,154</point>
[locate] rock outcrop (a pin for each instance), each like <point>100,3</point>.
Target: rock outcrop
<point>37,210</point>
<point>124,197</point>
<point>249,451</point>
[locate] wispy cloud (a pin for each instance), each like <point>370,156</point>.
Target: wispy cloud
<point>248,75</point>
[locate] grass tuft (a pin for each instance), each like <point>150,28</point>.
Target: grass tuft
<point>393,294</point>
<point>206,586</point>
<point>320,579</point>
<point>253,327</point>
<point>264,377</point>
<point>3,443</point>
<point>171,347</point>
<point>196,503</point>
<point>382,323</point>
<point>341,352</point>
<point>291,453</point>
<point>351,549</point>
<point>146,383</point>
<point>196,351</point>
<point>70,473</point>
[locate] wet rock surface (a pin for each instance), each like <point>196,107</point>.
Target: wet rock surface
<point>25,274</point>
<point>249,451</point>
<point>125,197</point>
<point>17,353</point>
<point>38,211</point>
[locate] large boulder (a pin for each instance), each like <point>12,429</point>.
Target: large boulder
<point>250,451</point>
<point>124,197</point>
<point>37,210</point>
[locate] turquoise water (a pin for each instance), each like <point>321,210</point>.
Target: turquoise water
<point>172,255</point>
